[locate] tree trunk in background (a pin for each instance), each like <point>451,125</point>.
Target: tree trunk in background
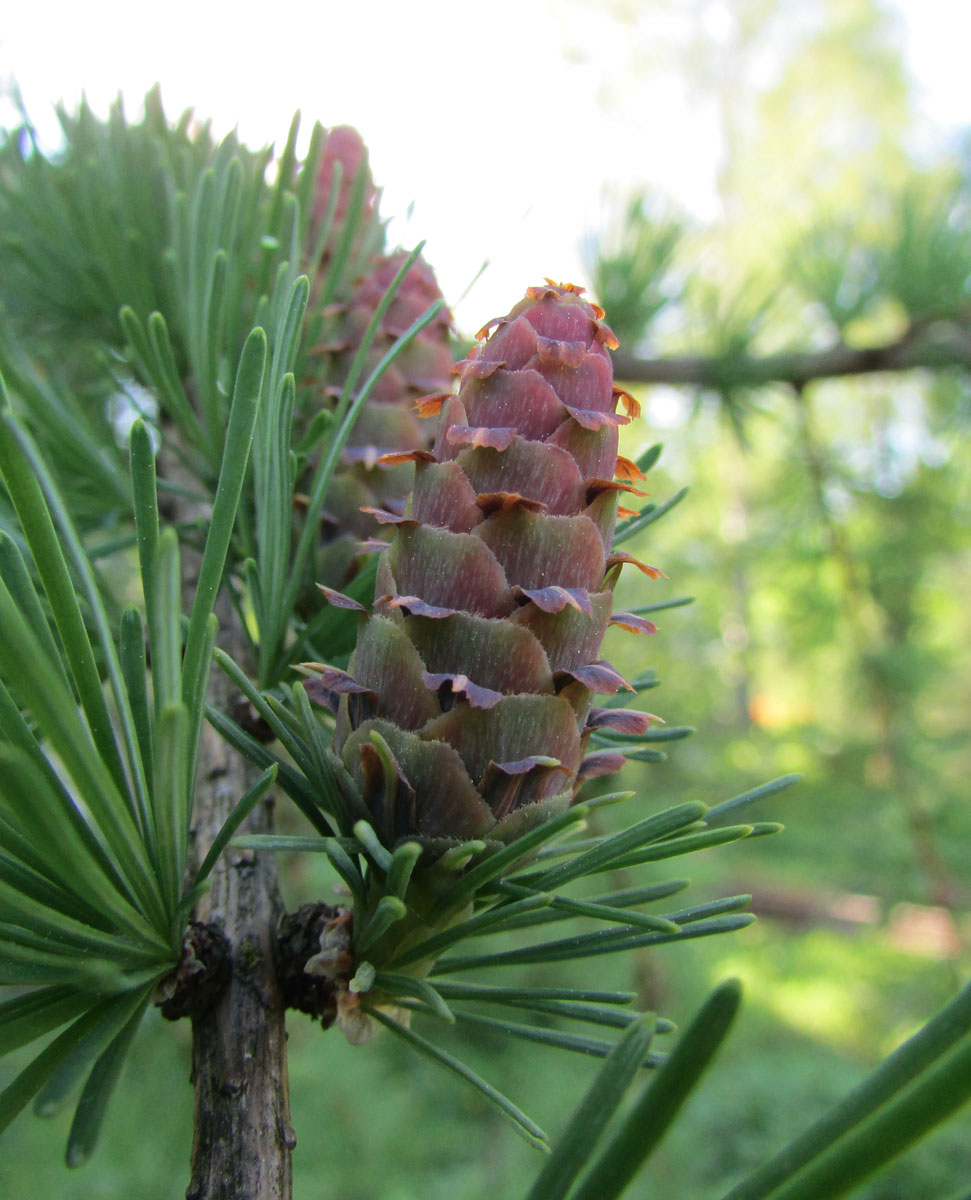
<point>867,626</point>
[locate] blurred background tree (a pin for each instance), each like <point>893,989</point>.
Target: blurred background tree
<point>811,383</point>
<point>834,257</point>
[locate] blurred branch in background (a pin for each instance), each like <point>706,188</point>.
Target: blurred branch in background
<point>894,298</point>
<point>945,343</point>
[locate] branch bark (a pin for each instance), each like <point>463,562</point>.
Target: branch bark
<point>243,1138</point>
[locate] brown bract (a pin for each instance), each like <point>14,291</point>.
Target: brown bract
<point>470,697</point>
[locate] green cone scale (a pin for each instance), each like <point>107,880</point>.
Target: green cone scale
<point>473,689</point>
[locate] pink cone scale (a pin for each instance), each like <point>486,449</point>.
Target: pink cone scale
<point>471,695</point>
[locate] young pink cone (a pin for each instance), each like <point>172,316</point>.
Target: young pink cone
<point>470,697</point>
<point>343,147</point>
<point>388,422</point>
